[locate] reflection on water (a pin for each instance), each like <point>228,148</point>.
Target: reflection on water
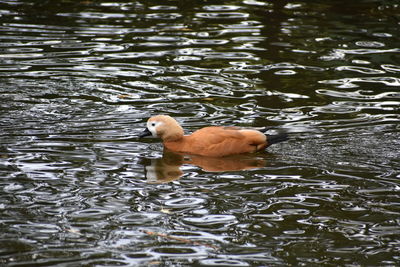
<point>168,167</point>
<point>80,78</point>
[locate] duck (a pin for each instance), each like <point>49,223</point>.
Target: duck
<point>211,141</point>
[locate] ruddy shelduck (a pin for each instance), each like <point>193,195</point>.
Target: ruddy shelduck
<point>213,141</point>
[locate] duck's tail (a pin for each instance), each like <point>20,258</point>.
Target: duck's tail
<point>276,138</point>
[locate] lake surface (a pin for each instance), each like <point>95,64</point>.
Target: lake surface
<point>80,78</point>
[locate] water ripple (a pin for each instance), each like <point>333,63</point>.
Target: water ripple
<point>211,220</point>
<point>358,69</point>
<point>351,82</point>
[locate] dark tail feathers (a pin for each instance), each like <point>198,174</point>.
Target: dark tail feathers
<point>276,138</point>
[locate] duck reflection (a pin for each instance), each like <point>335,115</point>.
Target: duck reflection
<point>168,167</point>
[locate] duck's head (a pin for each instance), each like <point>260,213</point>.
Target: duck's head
<point>164,127</point>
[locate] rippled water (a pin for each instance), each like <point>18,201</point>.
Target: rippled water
<point>80,78</point>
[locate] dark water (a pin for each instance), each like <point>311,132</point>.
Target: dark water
<point>80,78</point>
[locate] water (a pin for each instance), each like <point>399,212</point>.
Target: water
<point>80,78</point>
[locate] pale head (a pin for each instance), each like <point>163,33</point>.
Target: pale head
<point>164,127</point>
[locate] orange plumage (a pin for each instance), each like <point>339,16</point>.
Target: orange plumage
<point>213,141</point>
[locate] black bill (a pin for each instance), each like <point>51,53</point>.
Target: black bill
<point>145,133</point>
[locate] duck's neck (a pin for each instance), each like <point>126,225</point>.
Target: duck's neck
<point>177,144</point>
<point>173,137</point>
